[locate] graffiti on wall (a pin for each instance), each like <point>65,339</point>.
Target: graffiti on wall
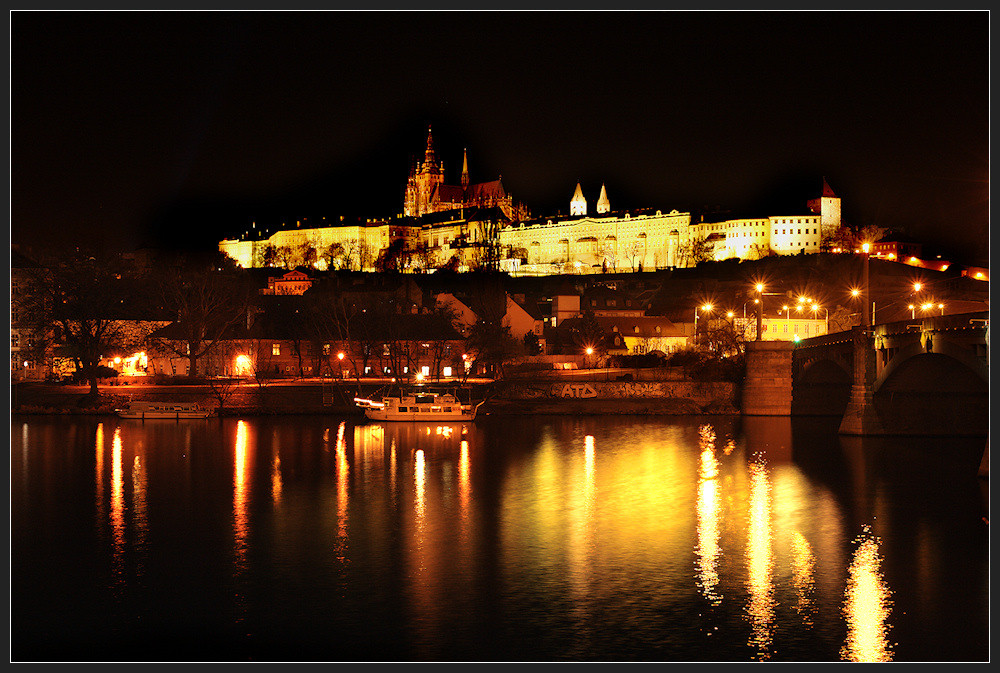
<point>576,390</point>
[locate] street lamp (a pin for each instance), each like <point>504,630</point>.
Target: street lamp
<point>913,311</point>
<point>707,308</point>
<point>865,290</point>
<point>817,307</point>
<point>760,309</point>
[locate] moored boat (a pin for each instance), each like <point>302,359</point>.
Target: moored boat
<point>173,410</point>
<point>427,406</point>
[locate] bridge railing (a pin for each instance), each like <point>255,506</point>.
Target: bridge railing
<point>825,340</point>
<point>936,323</point>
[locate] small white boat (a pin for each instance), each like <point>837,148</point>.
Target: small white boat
<point>418,406</point>
<point>172,410</point>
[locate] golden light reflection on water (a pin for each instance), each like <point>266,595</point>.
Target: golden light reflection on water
<point>580,550</point>
<point>392,471</point>
<point>241,522</point>
<point>709,513</point>
<point>276,484</point>
<point>419,483</point>
<point>867,605</point>
<point>760,562</point>
<point>140,519</point>
<point>99,473</point>
<point>803,570</point>
<point>464,489</point>
<point>343,470</point>
<point>117,513</point>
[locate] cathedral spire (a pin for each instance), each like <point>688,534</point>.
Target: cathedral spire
<point>465,168</point>
<point>578,204</point>
<point>429,160</point>
<point>603,205</point>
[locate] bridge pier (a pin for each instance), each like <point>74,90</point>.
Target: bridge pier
<point>767,389</point>
<point>860,417</point>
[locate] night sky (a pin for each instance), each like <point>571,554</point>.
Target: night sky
<point>134,129</point>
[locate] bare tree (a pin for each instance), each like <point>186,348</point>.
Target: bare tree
<point>208,301</point>
<point>285,257</point>
<point>490,341</point>
<point>695,251</point>
<point>306,254</point>
<point>332,255</point>
<point>78,300</point>
<point>267,256</point>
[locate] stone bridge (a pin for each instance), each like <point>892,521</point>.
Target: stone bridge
<point>928,376</point>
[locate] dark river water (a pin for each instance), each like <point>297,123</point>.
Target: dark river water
<point>511,539</point>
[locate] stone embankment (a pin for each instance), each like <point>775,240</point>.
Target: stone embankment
<point>301,397</point>
<point>616,397</point>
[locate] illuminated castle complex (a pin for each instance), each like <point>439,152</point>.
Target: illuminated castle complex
<point>427,193</point>
<point>468,225</point>
<point>647,240</point>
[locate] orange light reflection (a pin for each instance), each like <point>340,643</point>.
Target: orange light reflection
<point>240,494</point>
<point>803,570</point>
<point>708,506</point>
<point>867,605</point>
<point>760,562</point>
<point>117,513</point>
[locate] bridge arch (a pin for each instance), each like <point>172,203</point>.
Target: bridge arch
<point>822,387</point>
<point>933,343</point>
<point>932,393</point>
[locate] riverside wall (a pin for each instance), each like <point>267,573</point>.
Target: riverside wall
<point>622,397</point>
<point>516,397</point>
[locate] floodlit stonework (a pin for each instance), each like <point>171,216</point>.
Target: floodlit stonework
<point>472,225</point>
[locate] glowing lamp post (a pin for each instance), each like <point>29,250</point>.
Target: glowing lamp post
<point>707,308</point>
<point>760,310</point>
<point>867,318</point>
<point>817,307</point>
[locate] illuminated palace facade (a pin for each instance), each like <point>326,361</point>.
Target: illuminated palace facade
<point>446,221</point>
<point>648,240</point>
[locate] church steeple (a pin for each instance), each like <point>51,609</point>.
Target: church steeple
<point>430,161</point>
<point>578,204</point>
<point>465,169</point>
<point>603,205</point>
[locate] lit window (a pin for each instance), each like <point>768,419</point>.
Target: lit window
<point>275,349</point>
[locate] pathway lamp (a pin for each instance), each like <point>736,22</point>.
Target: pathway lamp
<point>868,319</point>
<point>707,308</point>
<point>913,311</point>
<point>756,301</point>
<point>817,307</point>
<point>760,309</point>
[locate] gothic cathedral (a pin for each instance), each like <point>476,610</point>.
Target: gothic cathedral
<point>426,191</point>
